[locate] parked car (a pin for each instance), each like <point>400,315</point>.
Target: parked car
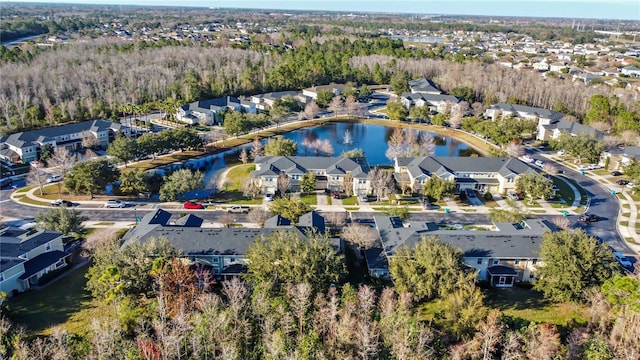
<point>539,163</point>
<point>238,209</point>
<point>561,152</point>
<point>513,195</point>
<point>54,178</point>
<point>623,260</point>
<point>586,217</point>
<point>527,159</point>
<point>363,198</point>
<point>622,182</point>
<point>61,202</point>
<point>336,195</point>
<point>470,193</point>
<point>115,204</point>
<point>268,197</point>
<point>615,173</point>
<point>6,182</point>
<point>192,205</point>
<point>630,185</point>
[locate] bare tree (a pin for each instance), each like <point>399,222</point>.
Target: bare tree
<point>62,160</point>
<point>562,222</point>
<point>336,218</point>
<point>89,141</point>
<point>244,157</point>
<point>300,301</point>
<point>326,148</point>
<point>256,148</point>
<point>283,183</point>
<point>477,109</point>
<point>259,216</point>
<point>227,219</point>
<point>251,187</point>
<point>550,168</point>
<point>347,183</point>
<point>367,330</point>
<point>602,126</point>
<point>381,182</point>
<point>458,111</point>
<point>361,235</point>
<point>514,149</point>
<point>37,177</point>
<point>351,105</point>
<point>630,138</point>
<point>5,106</point>
<point>396,144</point>
<point>311,110</point>
<point>336,105</point>
<point>611,141</point>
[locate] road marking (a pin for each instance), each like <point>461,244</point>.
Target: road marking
<point>4,201</point>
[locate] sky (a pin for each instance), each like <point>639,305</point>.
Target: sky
<point>592,9</point>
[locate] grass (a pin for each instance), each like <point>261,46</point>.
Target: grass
<point>601,172</point>
<point>538,211</point>
<point>626,206</point>
<point>583,194</point>
<point>309,199</point>
<point>28,200</point>
<point>24,189</point>
<point>489,203</point>
<point>237,175</point>
<point>329,200</point>
<point>104,223</point>
<point>579,210</point>
<point>624,223</point>
<point>630,241</point>
<point>470,210</point>
<point>351,208</point>
<point>64,302</point>
<point>535,204</point>
<point>565,191</point>
<point>350,201</point>
<point>626,214</point>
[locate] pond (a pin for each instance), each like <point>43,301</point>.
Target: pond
<point>342,137</point>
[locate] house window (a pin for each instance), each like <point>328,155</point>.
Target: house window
<point>496,262</point>
<point>479,261</point>
<point>362,181</point>
<point>336,178</point>
<point>1,276</point>
<point>232,259</point>
<point>531,276</point>
<point>47,247</point>
<point>517,261</point>
<point>534,261</point>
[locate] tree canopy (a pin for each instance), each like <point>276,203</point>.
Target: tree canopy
<point>90,176</point>
<point>436,188</point>
<point>572,262</point>
<point>180,182</point>
<point>61,219</point>
<point>280,147</point>
<point>289,208</point>
<point>534,186</point>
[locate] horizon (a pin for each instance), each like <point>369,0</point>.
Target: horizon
<point>625,10</point>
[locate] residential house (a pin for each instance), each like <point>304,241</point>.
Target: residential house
<point>266,101</point>
<point>503,256</point>
<point>25,146</point>
<point>611,71</point>
<point>543,116</point>
<point>330,172</point>
<point>423,86</point>
<point>312,92</point>
<point>209,112</point>
<point>554,129</point>
<point>25,257</point>
<point>221,250</point>
<point>541,66</point>
<point>629,154</point>
<point>631,71</point>
<point>436,102</point>
<point>496,175</point>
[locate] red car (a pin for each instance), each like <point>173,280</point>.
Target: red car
<point>192,205</point>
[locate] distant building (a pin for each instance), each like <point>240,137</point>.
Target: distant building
<point>436,102</point>
<point>423,86</point>
<point>553,130</point>
<point>25,146</point>
<point>503,257</point>
<point>312,92</point>
<point>209,112</point>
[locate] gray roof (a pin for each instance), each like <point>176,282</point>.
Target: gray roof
<point>539,112</point>
<point>213,241</point>
<point>574,128</point>
<point>439,165</point>
<point>277,95</point>
<point>41,262</point>
<point>14,242</point>
<point>431,99</point>
<point>30,138</point>
<point>212,104</point>
<point>273,165</point>
<point>632,152</point>
<point>423,85</point>
<point>509,241</point>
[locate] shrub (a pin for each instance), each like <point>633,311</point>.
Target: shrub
<point>488,196</point>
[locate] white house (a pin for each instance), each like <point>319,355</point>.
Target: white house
<point>312,92</point>
<point>435,102</point>
<point>209,112</point>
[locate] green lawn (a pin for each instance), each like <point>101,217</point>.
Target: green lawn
<point>350,201</point>
<point>583,194</point>
<point>233,186</point>
<point>565,191</point>
<point>64,302</point>
<point>309,199</point>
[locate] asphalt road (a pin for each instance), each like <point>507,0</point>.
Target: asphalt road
<point>602,203</point>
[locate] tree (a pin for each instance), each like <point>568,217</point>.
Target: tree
<point>180,182</point>
<point>149,144</point>
<point>134,182</point>
<point>360,235</point>
<point>419,113</point>
<point>583,147</point>
<point>381,182</point>
<point>436,188</point>
<point>401,212</point>
<point>244,157</point>
<point>400,82</point>
<point>235,123</point>
<point>91,176</point>
<point>277,111</point>
<point>258,216</point>
<point>431,269</point>
<point>535,186</point>
<point>286,258</point>
<point>283,182</point>
<point>351,105</point>
<point>62,160</point>
<point>458,111</point>
<point>514,149</point>
<point>61,219</point>
<point>289,208</point>
<point>336,105</point>
<point>347,183</point>
<point>396,111</point>
<point>123,149</point>
<point>89,141</point>
<point>599,109</point>
<point>280,147</point>
<point>572,262</point>
<point>46,151</point>
<point>37,177</point>
<point>256,149</point>
<point>311,110</point>
<point>251,187</point>
<point>324,98</point>
<point>308,183</point>
<point>353,153</point>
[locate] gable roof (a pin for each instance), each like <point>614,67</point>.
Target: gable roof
<point>33,137</point>
<point>534,111</point>
<point>15,242</point>
<point>511,240</point>
<point>440,165</point>
<point>212,104</point>
<point>273,165</point>
<point>574,128</point>
<point>423,85</point>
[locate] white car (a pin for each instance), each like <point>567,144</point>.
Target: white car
<point>631,185</point>
<point>539,163</point>
<point>561,152</point>
<point>513,195</point>
<point>268,197</point>
<point>115,204</point>
<point>622,259</point>
<point>527,159</point>
<point>54,178</point>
